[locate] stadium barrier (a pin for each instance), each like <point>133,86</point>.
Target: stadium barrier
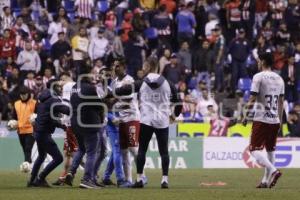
<point>185,153</point>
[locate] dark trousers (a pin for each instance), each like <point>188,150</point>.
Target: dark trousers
<point>26,141</point>
<point>238,71</point>
<point>162,136</point>
<point>46,145</point>
<point>87,144</point>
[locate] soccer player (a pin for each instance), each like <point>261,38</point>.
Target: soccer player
<point>70,142</point>
<point>49,106</point>
<point>155,95</point>
<point>129,116</point>
<point>267,95</point>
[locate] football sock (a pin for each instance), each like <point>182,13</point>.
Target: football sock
<point>139,177</point>
<point>266,176</point>
<point>127,164</point>
<point>164,179</point>
<point>262,160</point>
<point>271,156</point>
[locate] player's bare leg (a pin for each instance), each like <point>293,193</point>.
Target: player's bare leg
<point>127,165</point>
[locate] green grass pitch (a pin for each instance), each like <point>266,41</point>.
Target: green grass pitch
<point>184,185</point>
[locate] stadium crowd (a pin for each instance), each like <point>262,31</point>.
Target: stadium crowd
<point>209,49</point>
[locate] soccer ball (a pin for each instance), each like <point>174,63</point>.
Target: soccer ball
<point>32,118</point>
<point>25,167</point>
<point>12,124</point>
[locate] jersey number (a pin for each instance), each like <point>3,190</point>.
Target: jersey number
<point>272,102</point>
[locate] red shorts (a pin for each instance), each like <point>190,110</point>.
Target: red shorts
<point>129,134</point>
<point>70,142</point>
<point>263,135</point>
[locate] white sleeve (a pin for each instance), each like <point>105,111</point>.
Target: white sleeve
<point>255,84</point>
<point>282,89</point>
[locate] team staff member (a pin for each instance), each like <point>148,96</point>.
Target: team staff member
<point>24,108</point>
<point>155,95</point>
<point>49,106</point>
<point>87,116</point>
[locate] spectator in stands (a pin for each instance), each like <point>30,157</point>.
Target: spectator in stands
<point>283,36</point>
<point>79,45</point>
<point>261,12</point>
<point>210,25</point>
<point>290,75</point>
<point>162,23</point>
<point>239,49</point>
<point>218,58</point>
<point>84,8</point>
<point>202,63</point>
<point>30,82</point>
<point>293,124</point>
<point>279,56</point>
<point>20,25</point>
<point>62,14</point>
<point>6,19</point>
<point>174,72</point>
<point>233,17</point>
<point>277,8</point>
<point>206,105</point>
<point>7,46</point>
<point>98,46</point>
<point>13,79</point>
<point>292,18</point>
<point>186,23</point>
<point>48,75</point>
<point>38,87</point>
<point>28,60</point>
<point>134,50</point>
<point>185,58</point>
<point>61,47</point>
<point>55,27</point>
<point>25,14</point>
<point>164,60</point>
<point>196,93</point>
<point>117,46</point>
<point>44,21</point>
<point>248,17</point>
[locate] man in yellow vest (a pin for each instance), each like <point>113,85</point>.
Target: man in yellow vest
<point>23,109</point>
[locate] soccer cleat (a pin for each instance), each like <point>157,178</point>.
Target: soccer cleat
<point>145,180</point>
<point>274,178</point>
<point>59,182</point>
<point>124,184</point>
<point>138,184</point>
<point>69,179</point>
<point>88,185</point>
<point>41,183</point>
<point>262,185</point>
<point>30,184</point>
<point>108,182</point>
<point>99,184</point>
<point>164,185</point>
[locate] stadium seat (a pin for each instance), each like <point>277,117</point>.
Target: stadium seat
<point>16,13</point>
<point>246,96</point>
<point>68,5</point>
<point>35,15</point>
<point>71,15</point>
<point>14,5</point>
<point>46,44</point>
<point>244,84</point>
<point>150,33</point>
<point>103,5</point>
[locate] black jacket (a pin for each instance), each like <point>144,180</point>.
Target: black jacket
<point>47,105</point>
<point>87,108</point>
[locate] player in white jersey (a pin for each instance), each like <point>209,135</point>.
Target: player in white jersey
<point>70,142</point>
<point>267,96</point>
<point>156,97</point>
<point>129,116</point>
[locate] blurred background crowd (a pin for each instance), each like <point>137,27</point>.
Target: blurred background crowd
<point>208,48</point>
